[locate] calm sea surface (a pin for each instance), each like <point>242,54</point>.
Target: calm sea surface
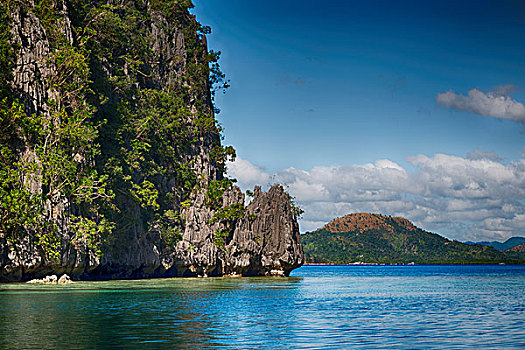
<point>334,307</point>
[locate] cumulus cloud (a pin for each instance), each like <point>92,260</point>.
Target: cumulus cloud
<point>246,173</point>
<point>473,198</point>
<point>479,154</point>
<point>498,104</point>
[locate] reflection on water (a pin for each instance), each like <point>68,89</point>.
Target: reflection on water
<point>329,306</point>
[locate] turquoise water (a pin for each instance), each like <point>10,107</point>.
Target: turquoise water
<point>408,307</point>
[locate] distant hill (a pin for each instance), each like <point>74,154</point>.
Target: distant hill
<point>518,249</point>
<point>509,243</point>
<point>374,238</point>
<point>516,252</point>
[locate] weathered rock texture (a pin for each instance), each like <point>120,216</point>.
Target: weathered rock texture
<point>266,241</point>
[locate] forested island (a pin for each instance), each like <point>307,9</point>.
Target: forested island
<point>111,162</point>
<point>379,239</point>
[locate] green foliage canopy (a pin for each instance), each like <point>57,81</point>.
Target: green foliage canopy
<point>115,136</point>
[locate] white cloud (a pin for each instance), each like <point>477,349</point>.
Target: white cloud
<point>501,227</point>
<point>496,104</point>
<point>479,155</point>
<point>246,173</point>
<point>472,198</point>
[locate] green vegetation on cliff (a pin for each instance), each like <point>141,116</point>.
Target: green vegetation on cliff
<point>373,238</point>
<point>120,143</point>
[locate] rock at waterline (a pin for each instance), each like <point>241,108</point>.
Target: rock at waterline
<point>64,279</point>
<point>53,279</point>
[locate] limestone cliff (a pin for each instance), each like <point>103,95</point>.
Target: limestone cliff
<point>147,149</point>
<point>264,241</point>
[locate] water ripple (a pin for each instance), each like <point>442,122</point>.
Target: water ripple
<point>329,307</point>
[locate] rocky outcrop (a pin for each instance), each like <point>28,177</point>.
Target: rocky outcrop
<point>52,279</point>
<point>264,241</point>
<point>33,69</point>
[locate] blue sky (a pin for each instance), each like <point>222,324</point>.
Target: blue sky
<point>433,87</point>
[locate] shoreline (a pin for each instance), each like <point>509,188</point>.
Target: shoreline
<point>412,264</point>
